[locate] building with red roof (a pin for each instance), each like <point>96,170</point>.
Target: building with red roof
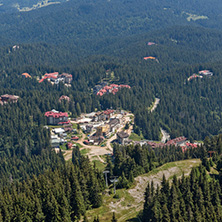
<point>69,146</point>
<point>151,43</point>
<point>56,118</point>
<point>74,138</point>
<point>55,77</point>
<point>9,98</point>
<point>26,75</point>
<point>64,98</point>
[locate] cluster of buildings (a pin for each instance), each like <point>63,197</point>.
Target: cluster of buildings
<point>8,99</point>
<point>100,125</point>
<point>200,74</point>
<point>179,141</point>
<point>104,88</point>
<point>57,118</point>
<point>59,137</point>
<point>56,78</point>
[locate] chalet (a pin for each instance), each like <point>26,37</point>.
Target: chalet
<point>9,98</point>
<point>155,145</point>
<point>192,145</point>
<point>176,141</point>
<point>64,98</point>
<point>55,141</point>
<point>102,130</point>
<point>151,43</point>
<point>97,88</point>
<point>26,75</point>
<point>68,129</point>
<point>149,57</point>
<point>114,124</point>
<point>89,128</point>
<point>56,78</point>
<point>75,138</point>
<point>66,77</point>
<point>58,131</point>
<point>112,88</point>
<point>86,142</point>
<point>206,73</point>
<point>56,118</point>
<point>96,139</point>
<point>122,137</point>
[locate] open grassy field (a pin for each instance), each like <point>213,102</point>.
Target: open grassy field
<point>130,202</point>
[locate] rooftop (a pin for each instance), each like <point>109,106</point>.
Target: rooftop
<point>122,134</point>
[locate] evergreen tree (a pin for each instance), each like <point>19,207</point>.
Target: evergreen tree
<point>114,218</point>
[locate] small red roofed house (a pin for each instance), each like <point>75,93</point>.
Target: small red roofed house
<point>9,98</point>
<point>26,75</point>
<point>74,138</point>
<point>192,145</point>
<point>69,146</point>
<point>151,43</point>
<point>149,57</point>
<point>64,98</point>
<point>86,142</point>
<point>114,85</point>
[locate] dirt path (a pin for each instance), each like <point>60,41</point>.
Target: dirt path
<point>157,100</point>
<point>165,137</point>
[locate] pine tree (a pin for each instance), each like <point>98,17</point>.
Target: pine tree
<point>85,219</point>
<point>114,218</point>
<point>165,213</point>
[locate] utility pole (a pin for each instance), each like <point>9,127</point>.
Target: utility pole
<point>106,172</point>
<point>114,181</point>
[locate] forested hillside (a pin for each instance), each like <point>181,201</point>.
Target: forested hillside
<point>86,20</point>
<point>157,48</point>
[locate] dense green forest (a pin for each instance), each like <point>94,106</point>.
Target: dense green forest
<point>83,20</point>
<point>60,194</point>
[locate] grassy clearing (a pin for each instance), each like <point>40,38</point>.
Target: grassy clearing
<point>194,17</point>
<point>126,207</point>
<point>135,137</point>
<point>183,166</point>
<point>99,165</point>
<point>84,151</point>
<point>78,145</point>
<point>63,147</point>
<point>105,211</point>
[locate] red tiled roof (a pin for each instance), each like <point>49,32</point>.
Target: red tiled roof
<point>26,75</point>
<point>56,115</point>
<point>75,138</point>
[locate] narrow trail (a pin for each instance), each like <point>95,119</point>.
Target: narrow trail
<point>157,100</point>
<point>165,137</point>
